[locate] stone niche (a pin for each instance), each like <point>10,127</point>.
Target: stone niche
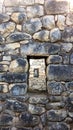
<point>37,74</point>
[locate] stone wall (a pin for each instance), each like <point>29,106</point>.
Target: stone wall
<point>36,29</point>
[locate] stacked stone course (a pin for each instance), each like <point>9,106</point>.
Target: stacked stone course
<point>38,29</point>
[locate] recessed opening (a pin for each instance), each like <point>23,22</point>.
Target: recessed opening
<point>37,73</point>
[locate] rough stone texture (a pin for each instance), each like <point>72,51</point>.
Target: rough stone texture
<point>36,109</point>
<point>16,37</point>
<point>71,58</point>
<point>19,65</point>
<point>15,106</point>
<point>66,47</point>
<point>7,28</point>
<point>54,59</point>
<point>41,99</point>
<point>56,115</point>
<point>1,39</point>
<point>18,89</point>
<point>69,19</point>
<point>56,7</point>
<point>67,35</point>
<point>48,22</point>
<point>55,35</point>
<point>41,36</point>
<point>18,17</point>
<point>38,48</point>
<point>60,72</point>
<point>16,77</point>
<point>55,88</point>
<point>32,25</point>
<point>58,126</point>
<point>4,18</point>
<point>28,119</point>
<point>61,22</point>
<point>35,11</point>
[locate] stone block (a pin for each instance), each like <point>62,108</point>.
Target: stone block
<point>18,89</point>
<point>39,1</point>
<point>69,19</point>
<point>60,72</point>
<point>55,88</point>
<point>18,66</point>
<point>4,18</point>
<point>48,22</point>
<point>13,77</point>
<point>35,11</point>
<point>67,34</point>
<point>61,22</point>
<point>18,17</point>
<point>37,110</point>
<point>18,36</point>
<point>56,6</point>
<point>38,99</point>
<point>39,48</point>
<point>66,47</point>
<point>54,59</point>
<point>32,26</point>
<point>58,126</point>
<point>55,35</point>
<point>56,115</point>
<point>7,28</point>
<point>26,2</point>
<point>42,36</point>
<point>29,120</point>
<point>11,2</point>
<point>16,106</point>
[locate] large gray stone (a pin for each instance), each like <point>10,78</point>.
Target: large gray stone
<point>58,126</point>
<point>6,119</point>
<point>35,11</point>
<point>56,115</point>
<point>55,88</point>
<point>54,59</point>
<point>32,26</point>
<point>48,22</point>
<point>38,99</point>
<point>18,17</point>
<point>1,39</point>
<point>28,119</point>
<point>18,36</point>
<point>71,58</point>
<point>61,22</point>
<point>56,7</point>
<point>42,36</point>
<point>7,28</point>
<point>37,110</point>
<point>60,72</point>
<point>39,48</point>
<point>67,34</point>
<point>4,18</point>
<point>18,89</point>
<point>55,35</point>
<point>13,77</point>
<point>69,19</point>
<point>18,65</point>
<point>66,47</point>
<point>15,106</point>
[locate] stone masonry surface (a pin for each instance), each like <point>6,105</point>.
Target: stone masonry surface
<point>36,64</point>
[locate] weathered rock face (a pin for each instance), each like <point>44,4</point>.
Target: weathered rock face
<point>36,65</point>
<point>56,7</point>
<point>19,65</point>
<point>32,26</point>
